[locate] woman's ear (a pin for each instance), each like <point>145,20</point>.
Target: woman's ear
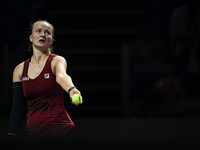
<point>52,41</point>
<point>30,38</point>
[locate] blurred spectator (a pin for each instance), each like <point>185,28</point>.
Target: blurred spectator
<point>187,58</point>
<point>186,49</point>
<point>184,33</point>
<point>147,55</point>
<point>182,14</point>
<point>168,95</point>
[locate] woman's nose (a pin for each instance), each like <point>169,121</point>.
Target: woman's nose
<point>42,33</point>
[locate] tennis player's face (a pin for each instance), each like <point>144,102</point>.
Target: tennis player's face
<point>41,36</point>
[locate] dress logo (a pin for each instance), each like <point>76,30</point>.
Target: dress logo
<point>25,78</point>
<point>46,76</point>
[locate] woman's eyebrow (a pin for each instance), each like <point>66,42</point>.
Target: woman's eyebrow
<point>44,30</point>
<point>38,29</point>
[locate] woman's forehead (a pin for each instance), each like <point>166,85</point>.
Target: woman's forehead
<point>41,24</point>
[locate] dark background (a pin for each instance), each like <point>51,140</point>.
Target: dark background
<point>96,38</point>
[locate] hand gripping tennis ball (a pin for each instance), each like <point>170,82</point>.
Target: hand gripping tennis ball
<point>77,98</point>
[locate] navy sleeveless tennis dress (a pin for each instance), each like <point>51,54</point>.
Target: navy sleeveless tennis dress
<point>46,114</point>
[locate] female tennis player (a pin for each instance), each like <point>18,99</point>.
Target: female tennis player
<point>38,86</point>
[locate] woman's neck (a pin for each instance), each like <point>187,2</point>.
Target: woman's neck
<point>39,57</point>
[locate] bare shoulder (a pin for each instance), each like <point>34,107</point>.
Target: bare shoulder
<point>20,66</point>
<point>57,62</point>
<point>58,59</point>
<point>17,73</point>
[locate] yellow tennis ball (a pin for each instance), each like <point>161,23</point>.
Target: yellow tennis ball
<point>77,98</point>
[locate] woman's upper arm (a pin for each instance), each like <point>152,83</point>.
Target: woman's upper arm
<point>59,66</point>
<point>17,73</point>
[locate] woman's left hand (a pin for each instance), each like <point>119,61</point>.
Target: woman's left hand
<point>72,92</point>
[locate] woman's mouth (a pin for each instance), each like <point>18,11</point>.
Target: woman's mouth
<point>42,40</point>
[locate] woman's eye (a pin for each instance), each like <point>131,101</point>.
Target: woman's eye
<point>48,32</point>
<point>38,31</point>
